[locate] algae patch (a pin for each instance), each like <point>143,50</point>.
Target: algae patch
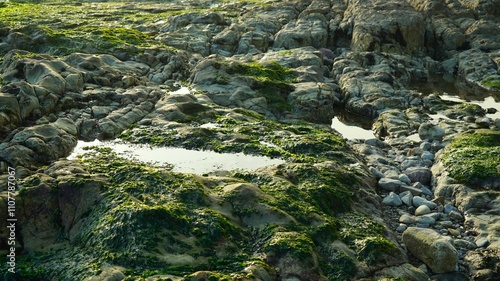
<point>491,83</point>
<point>474,157</point>
<point>272,81</point>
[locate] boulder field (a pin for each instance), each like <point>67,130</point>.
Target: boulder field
<point>418,201</point>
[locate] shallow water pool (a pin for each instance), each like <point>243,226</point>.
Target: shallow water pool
<point>351,131</point>
<point>183,160</point>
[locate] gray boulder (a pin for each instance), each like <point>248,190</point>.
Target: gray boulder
<point>406,198</point>
<point>389,184</point>
<point>436,251</point>
<point>428,131</point>
<point>422,210</point>
<point>313,102</point>
<point>392,200</point>
<point>422,175</point>
<point>419,201</point>
<point>308,31</point>
<point>394,27</point>
<point>40,144</point>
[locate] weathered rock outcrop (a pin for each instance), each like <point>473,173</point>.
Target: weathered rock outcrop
<point>39,144</point>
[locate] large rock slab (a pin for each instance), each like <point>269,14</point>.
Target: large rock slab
<point>387,26</point>
<point>40,144</point>
<point>309,31</point>
<point>313,102</point>
<point>430,247</point>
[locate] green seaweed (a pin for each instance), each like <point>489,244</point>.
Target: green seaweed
<point>474,156</point>
<point>300,142</point>
<point>492,83</point>
<point>272,81</point>
<point>296,244</point>
<point>72,27</point>
<point>372,249</point>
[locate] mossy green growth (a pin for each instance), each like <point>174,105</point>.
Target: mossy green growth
<point>491,83</point>
<point>272,72</point>
<point>337,265</point>
<point>366,237</point>
<point>302,191</point>
<point>62,28</point>
<point>465,109</point>
<point>296,244</point>
<point>474,156</point>
<point>273,81</point>
<point>210,276</point>
<point>149,210</point>
<point>356,226</point>
<point>373,249</point>
<point>297,142</point>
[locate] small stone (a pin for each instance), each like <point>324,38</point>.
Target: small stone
<point>401,228</point>
<point>454,232</point>
<point>435,216</point>
<point>404,178</point>
<point>425,146</point>
<point>483,122</point>
<point>482,242</point>
<point>418,186</point>
<point>389,184</point>
<point>446,223</point>
<point>448,208</point>
<point>406,219</point>
<point>427,163</point>
<point>418,201</point>
<point>423,225</point>
<point>455,215</point>
<point>422,210</point>
<point>406,197</point>
<point>391,174</point>
<point>426,191</point>
<point>375,172</point>
<point>460,243</point>
<point>426,155</point>
<point>392,200</point>
<point>470,233</point>
<point>411,163</point>
<point>426,220</point>
<point>414,191</point>
<point>440,208</point>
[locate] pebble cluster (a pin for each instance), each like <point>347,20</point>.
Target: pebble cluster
<point>405,182</point>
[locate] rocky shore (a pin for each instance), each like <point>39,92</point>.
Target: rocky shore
<point>418,201</point>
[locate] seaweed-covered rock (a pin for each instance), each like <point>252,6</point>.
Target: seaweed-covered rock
<point>473,158</point>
